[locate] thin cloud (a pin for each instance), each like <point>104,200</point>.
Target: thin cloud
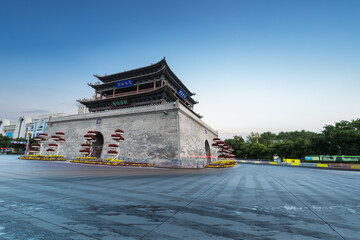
<point>36,111</point>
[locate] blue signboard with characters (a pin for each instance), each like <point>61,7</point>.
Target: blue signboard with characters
<point>182,94</point>
<point>126,83</point>
<point>18,142</point>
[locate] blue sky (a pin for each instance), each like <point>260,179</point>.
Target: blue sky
<point>255,65</point>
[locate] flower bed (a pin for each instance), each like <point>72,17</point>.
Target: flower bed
<point>44,157</point>
<point>222,164</point>
<point>86,158</point>
<point>112,162</point>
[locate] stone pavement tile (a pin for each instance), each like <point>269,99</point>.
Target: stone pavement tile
<point>176,231</point>
<point>15,225</point>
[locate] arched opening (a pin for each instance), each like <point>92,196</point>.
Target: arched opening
<point>98,145</point>
<point>207,152</point>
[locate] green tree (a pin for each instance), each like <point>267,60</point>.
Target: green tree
<point>238,144</point>
<point>342,138</point>
<point>4,141</point>
<point>267,138</point>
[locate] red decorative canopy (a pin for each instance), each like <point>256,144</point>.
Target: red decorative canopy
<point>53,145</point>
<point>86,150</point>
<point>90,137</point>
<point>119,131</point>
<point>92,133</point>
<point>50,150</point>
<point>216,139</point>
<point>112,152</point>
<point>60,133</point>
<point>114,145</point>
<point>117,137</point>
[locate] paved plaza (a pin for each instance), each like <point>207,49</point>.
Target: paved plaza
<point>59,200</point>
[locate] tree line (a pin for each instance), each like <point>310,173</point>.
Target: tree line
<point>342,138</point>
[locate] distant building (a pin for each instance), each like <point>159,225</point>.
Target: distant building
<point>26,124</point>
<point>20,127</point>
<point>39,124</point>
<point>4,127</point>
<point>7,127</point>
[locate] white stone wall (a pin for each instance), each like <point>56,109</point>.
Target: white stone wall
<point>151,134</point>
<point>193,134</point>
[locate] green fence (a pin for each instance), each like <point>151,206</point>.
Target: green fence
<point>333,158</point>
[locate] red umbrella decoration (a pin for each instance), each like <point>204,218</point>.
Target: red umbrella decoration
<point>113,152</point>
<point>114,147</point>
<point>35,148</point>
<point>119,131</point>
<point>117,137</point>
<point>216,140</point>
<point>59,138</point>
<point>41,139</point>
<point>90,138</point>
<point>224,149</point>
<point>85,151</point>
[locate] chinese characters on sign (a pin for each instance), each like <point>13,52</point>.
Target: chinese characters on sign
<point>126,83</point>
<point>182,94</point>
<point>121,102</point>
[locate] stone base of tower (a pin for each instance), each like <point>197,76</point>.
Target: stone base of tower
<point>166,135</point>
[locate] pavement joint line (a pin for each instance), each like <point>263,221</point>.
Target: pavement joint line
<point>323,220</point>
<point>40,219</point>
<point>176,212</point>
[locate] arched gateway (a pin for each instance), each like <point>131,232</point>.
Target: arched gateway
<point>98,145</point>
<point>207,152</point>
